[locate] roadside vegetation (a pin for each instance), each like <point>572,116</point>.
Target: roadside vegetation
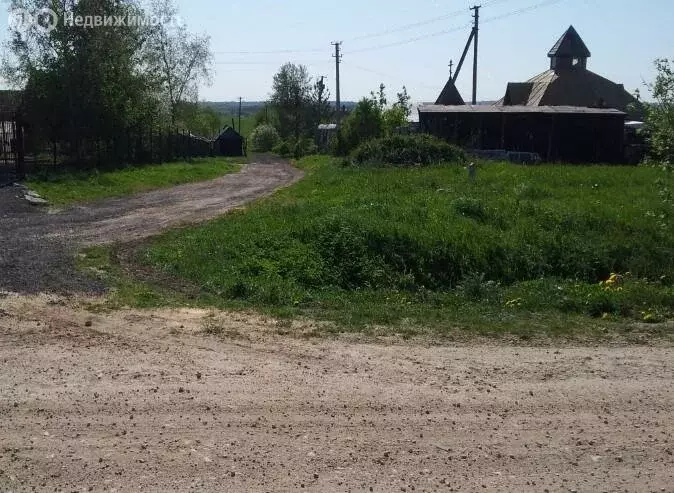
<point>550,249</point>
<point>65,188</point>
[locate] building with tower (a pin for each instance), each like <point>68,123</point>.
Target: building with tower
<point>568,82</point>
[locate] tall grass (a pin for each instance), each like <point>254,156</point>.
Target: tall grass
<point>424,234</point>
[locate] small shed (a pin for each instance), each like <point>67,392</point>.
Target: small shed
<point>229,143</point>
<point>325,133</point>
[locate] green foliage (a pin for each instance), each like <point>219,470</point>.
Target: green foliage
<point>176,60</point>
<point>406,150</point>
<point>290,98</point>
<point>393,119</point>
<point>87,87</point>
<point>199,120</point>
<point>370,119</point>
<point>660,116</point>
<point>264,138</point>
<point>321,110</point>
<point>298,105</point>
<point>362,124</point>
<point>372,246</point>
<point>291,148</point>
<point>404,102</point>
<point>81,83</point>
<point>68,188</point>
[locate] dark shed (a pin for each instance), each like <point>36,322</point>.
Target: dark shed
<point>230,143</point>
<point>556,133</point>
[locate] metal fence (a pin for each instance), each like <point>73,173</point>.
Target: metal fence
<point>11,149</point>
<point>132,146</point>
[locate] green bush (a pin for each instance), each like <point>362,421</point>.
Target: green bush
<point>264,138</point>
<point>297,149</point>
<point>363,123</point>
<point>406,150</point>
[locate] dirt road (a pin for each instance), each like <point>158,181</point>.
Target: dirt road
<point>37,247</point>
<point>147,401</point>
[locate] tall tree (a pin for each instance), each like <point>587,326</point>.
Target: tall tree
<point>321,109</point>
<point>80,81</point>
<point>180,60</point>
<point>660,115</point>
<point>291,97</point>
<point>404,102</point>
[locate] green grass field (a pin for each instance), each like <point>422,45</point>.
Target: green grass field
<point>68,188</point>
<point>522,250</point>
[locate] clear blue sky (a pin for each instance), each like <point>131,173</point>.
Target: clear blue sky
<point>624,36</point>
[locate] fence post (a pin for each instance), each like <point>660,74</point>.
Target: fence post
<point>20,150</point>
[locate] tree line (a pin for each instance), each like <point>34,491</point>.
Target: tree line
<point>298,103</point>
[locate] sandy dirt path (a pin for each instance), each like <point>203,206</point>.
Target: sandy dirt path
<point>148,401</point>
<point>37,247</point>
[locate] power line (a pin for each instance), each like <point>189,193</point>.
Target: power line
<point>414,39</point>
<point>433,20</point>
<point>320,61</point>
<point>270,52</point>
<point>411,40</point>
<point>387,76</point>
<point>523,10</point>
<point>455,29</point>
<point>404,27</point>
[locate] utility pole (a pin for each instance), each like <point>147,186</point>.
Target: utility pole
<point>338,60</point>
<point>476,28</point>
<point>240,99</point>
<point>451,66</point>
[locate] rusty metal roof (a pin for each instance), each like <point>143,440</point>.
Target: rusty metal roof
<point>469,108</point>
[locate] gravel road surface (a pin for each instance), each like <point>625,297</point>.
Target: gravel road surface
<point>37,246</point>
<point>147,401</point>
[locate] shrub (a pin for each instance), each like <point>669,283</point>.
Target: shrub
<point>264,138</point>
<point>297,149</point>
<point>406,150</point>
<point>365,122</point>
<point>283,148</point>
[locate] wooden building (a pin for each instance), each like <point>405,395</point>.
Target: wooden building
<point>568,82</point>
<point>556,133</point>
<point>229,143</point>
<point>565,114</point>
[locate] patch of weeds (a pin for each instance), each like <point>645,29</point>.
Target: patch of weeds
<point>213,327</point>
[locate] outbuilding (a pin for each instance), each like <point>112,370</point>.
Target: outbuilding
<point>229,143</point>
